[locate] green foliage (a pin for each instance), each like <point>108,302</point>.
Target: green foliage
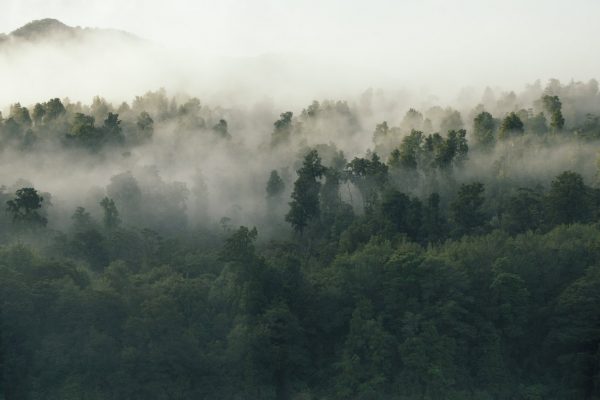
<point>511,126</point>
<point>467,208</point>
<point>409,150</point>
<point>569,199</point>
<point>430,152</point>
<point>484,128</point>
<point>441,288</point>
<point>111,214</point>
<point>25,208</point>
<point>283,129</point>
<point>524,211</point>
<point>239,247</point>
<point>305,204</point>
<point>20,115</point>
<point>275,185</point>
<point>145,125</point>
<point>553,105</point>
<point>369,176</point>
<point>537,124</point>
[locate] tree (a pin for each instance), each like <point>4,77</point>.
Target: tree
<point>409,152</point>
<point>38,113</point>
<point>111,214</point>
<point>523,211</point>
<point>381,132</point>
<point>511,125</point>
<point>54,109</point>
<point>452,151</point>
<point>283,129</point>
<point>239,247</point>
<point>452,121</point>
<point>466,208</point>
<point>434,223</point>
<point>413,120</point>
<point>145,125</point>
<point>553,105</point>
<point>537,124</point>
<point>368,354</point>
<point>84,132</point>
<point>221,129</point>
<point>275,185</point>
<point>404,213</point>
<point>20,115</point>
<point>305,196</point>
<point>82,220</point>
<point>112,128</point>
<point>484,127</point>
<point>568,200</point>
<point>286,356</point>
<point>369,176</point>
<point>25,208</point>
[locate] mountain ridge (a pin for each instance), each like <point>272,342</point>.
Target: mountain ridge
<point>51,28</point>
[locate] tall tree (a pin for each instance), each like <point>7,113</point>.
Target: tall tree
<point>553,105</point>
<point>111,214</point>
<point>282,129</point>
<point>369,176</point>
<point>568,200</point>
<point>511,126</point>
<point>305,197</point>
<point>275,185</point>
<point>25,208</point>
<point>484,127</point>
<point>466,208</point>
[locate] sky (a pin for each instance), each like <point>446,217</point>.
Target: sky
<point>424,43</point>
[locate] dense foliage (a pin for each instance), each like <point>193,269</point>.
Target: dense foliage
<point>406,273</point>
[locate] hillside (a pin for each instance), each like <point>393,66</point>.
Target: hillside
<point>49,29</point>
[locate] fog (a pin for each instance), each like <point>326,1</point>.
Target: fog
<point>234,51</point>
<point>247,64</point>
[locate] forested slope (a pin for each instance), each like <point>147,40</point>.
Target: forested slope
<point>172,250</point>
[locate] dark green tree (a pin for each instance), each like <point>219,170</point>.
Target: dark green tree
<point>145,125</point>
<point>452,151</point>
<point>409,150</point>
<point>553,105</point>
<point>275,185</point>
<point>511,126</point>
<point>282,129</point>
<point>435,226</point>
<point>239,247</point>
<point>523,211</point>
<point>20,115</point>
<point>484,128</point>
<point>25,208</point>
<point>369,176</point>
<point>54,109</point>
<point>84,132</point>
<point>38,113</point>
<point>82,220</point>
<point>112,129</point>
<point>568,200</point>
<point>466,208</point>
<point>305,196</point>
<point>111,214</point>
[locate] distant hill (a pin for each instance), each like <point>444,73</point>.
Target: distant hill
<point>49,29</point>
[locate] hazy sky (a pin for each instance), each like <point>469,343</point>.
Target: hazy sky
<point>423,42</point>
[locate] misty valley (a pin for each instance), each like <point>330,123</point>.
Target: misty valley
<point>164,248</point>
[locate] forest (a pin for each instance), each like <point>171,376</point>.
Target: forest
<point>367,248</point>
